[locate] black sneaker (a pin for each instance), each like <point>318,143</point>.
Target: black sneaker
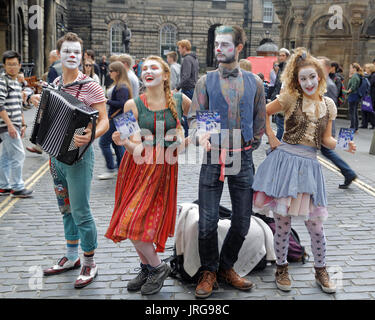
<point>155,279</point>
<point>5,192</point>
<point>137,283</point>
<point>24,193</point>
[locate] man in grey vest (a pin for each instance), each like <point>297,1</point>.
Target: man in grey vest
<point>238,97</point>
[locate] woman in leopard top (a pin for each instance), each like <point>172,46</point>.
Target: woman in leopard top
<point>290,182</point>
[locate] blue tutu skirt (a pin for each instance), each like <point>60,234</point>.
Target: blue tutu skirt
<point>290,182</point>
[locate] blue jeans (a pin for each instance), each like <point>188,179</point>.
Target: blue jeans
<point>189,93</point>
<point>11,162</point>
<point>280,126</point>
<point>241,194</point>
<point>105,142</point>
<point>346,171</point>
<point>72,187</point>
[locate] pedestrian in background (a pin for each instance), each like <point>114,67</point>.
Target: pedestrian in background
<point>265,83</point>
<point>189,73</point>
<point>103,67</point>
<point>245,65</point>
<point>88,70</point>
<point>290,182</point>
<point>55,68</point>
<point>355,74</point>
<point>335,73</point>
<point>12,129</point>
<point>146,190</point>
<point>333,93</point>
<point>273,75</point>
<point>134,81</point>
<point>91,54</point>
<point>368,116</point>
<point>121,93</point>
<point>279,117</point>
<point>175,69</point>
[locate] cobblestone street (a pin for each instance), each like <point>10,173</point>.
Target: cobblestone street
<point>32,238</point>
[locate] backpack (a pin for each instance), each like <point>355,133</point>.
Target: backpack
<point>296,252</point>
<point>364,87</point>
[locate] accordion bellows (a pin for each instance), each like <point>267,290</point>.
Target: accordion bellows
<point>60,116</point>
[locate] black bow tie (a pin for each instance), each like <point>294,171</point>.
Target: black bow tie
<point>230,73</point>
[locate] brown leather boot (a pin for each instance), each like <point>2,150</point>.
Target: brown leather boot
<point>282,278</point>
<point>322,279</point>
<point>206,284</point>
<point>231,277</point>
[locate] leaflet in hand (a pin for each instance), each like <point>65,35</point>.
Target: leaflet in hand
<point>126,124</point>
<point>208,121</point>
<point>345,136</point>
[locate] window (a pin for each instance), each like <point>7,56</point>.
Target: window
<point>219,4</point>
<point>168,37</point>
<point>267,11</point>
<point>116,38</point>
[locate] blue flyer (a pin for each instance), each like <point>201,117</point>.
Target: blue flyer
<point>208,121</point>
<point>126,124</point>
<point>345,136</point>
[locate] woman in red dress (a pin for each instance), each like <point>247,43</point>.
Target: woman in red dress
<point>146,189</point>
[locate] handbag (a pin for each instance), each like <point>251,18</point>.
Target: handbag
<point>367,104</point>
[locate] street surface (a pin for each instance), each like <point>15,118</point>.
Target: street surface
<point>32,238</point>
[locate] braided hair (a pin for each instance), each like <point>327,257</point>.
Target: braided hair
<point>171,103</point>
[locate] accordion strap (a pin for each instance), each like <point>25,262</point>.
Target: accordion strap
<point>75,83</point>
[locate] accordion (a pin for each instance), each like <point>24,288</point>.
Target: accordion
<point>59,117</point>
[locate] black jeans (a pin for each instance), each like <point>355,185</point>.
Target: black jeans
<point>353,114</point>
<point>241,194</point>
<point>366,118</point>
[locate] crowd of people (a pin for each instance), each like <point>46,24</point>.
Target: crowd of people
<point>302,97</point>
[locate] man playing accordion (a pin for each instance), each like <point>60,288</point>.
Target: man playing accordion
<point>72,182</point>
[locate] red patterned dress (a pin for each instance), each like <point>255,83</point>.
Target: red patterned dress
<point>146,193</point>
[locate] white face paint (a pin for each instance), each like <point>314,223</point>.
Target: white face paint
<point>71,54</point>
<point>309,80</point>
<point>152,73</point>
<point>225,50</point>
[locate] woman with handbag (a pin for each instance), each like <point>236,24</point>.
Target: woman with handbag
<point>368,103</point>
<point>121,93</point>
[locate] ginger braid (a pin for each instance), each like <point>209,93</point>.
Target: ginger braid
<point>171,104</point>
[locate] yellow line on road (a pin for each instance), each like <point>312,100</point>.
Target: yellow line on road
<point>360,184</point>
<point>9,202</point>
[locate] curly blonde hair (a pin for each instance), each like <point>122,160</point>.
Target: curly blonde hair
<point>171,103</point>
<point>299,59</point>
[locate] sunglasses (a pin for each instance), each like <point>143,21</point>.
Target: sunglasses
<point>88,65</point>
<point>110,71</point>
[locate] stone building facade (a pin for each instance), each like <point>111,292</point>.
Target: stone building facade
<point>157,25</point>
<point>31,27</point>
<point>342,30</point>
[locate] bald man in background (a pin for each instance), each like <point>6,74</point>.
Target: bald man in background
<point>55,69</point>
